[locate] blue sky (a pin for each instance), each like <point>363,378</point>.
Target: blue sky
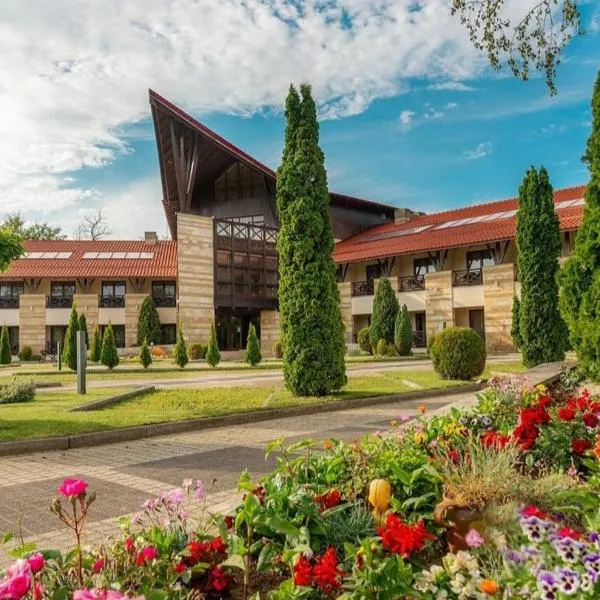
<point>408,143</point>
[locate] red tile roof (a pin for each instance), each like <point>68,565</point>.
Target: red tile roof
<point>162,264</point>
<point>389,240</point>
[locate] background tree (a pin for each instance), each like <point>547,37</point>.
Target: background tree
<point>10,248</point>
<point>515,330</point>
<point>403,335</point>
<point>148,323</point>
<point>38,230</point>
<point>83,327</point>
<point>385,309</point>
<point>180,353</point>
<point>253,354</point>
<point>109,356</point>
<point>535,42</point>
<point>580,276</point>
<point>5,353</point>
<point>145,355</point>
<point>96,349</point>
<point>542,328</point>
<point>213,356</point>
<point>309,300</point>
<point>69,349</point>
<point>93,227</point>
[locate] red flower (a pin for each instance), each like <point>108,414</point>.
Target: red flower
<point>302,572</point>
<point>180,567</point>
<point>567,532</point>
<point>98,566</point>
<point>526,435</point>
<point>218,545</point>
<point>566,413</point>
<point>590,419</point>
<point>402,538</point>
<point>494,439</point>
<point>209,551</point>
<point>217,579</point>
<point>328,499</point>
<point>595,407</point>
<point>145,554</point>
<point>454,456</point>
<point>544,401</point>
<point>534,416</point>
<point>229,521</point>
<point>534,511</point>
<point>71,488</point>
<point>327,573</point>
<point>129,545</point>
<point>578,447</point>
<point>260,492</point>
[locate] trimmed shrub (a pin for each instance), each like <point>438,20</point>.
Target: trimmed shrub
<point>69,351</point>
<point>213,356</point>
<point>253,354</point>
<point>385,309</point>
<point>278,350</point>
<point>145,357</point>
<point>364,341</point>
<point>515,330</point>
<point>197,351</point>
<point>109,356</point>
<point>458,353</point>
<point>385,349</point>
<point>403,335</point>
<point>15,393</point>
<point>83,327</point>
<point>5,354</point>
<point>36,358</point>
<point>26,353</point>
<point>96,350</point>
<point>180,354</point>
<point>148,323</point>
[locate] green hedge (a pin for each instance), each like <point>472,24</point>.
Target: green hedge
<point>14,393</point>
<point>458,353</point>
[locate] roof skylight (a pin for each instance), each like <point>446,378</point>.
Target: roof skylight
<point>118,255</point>
<point>48,255</point>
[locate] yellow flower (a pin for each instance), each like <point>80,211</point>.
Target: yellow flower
<point>327,445</point>
<point>380,492</point>
<point>422,409</point>
<point>420,437</point>
<point>394,422</point>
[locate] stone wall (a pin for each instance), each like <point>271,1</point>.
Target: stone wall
<point>32,322</point>
<point>269,331</point>
<point>195,256</point>
<point>346,309</point>
<point>498,292</point>
<point>88,305</point>
<point>133,304</point>
<point>438,301</point>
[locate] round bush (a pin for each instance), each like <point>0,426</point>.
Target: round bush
<point>364,343</point>
<point>458,353</point>
<point>197,351</point>
<point>26,353</point>
<point>385,348</point>
<point>277,350</point>
<point>16,392</point>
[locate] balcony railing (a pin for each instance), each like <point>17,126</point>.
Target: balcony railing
<point>112,301</point>
<point>363,288</point>
<point>59,301</point>
<point>9,302</point>
<point>467,277</point>
<point>419,339</point>
<point>411,283</point>
<point>164,301</point>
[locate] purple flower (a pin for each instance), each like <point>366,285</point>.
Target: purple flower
<point>547,585</point>
<point>568,549</point>
<point>175,496</point>
<point>568,581</point>
<point>515,556</point>
<point>535,529</point>
<point>592,563</point>
<point>474,538</point>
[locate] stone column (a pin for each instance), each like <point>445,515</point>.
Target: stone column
<point>133,303</point>
<point>88,305</point>
<point>269,331</point>
<point>439,306</point>
<point>196,281</point>
<point>498,294</point>
<point>345,288</point>
<point>32,322</point>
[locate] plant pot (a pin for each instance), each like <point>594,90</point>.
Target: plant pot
<point>457,522</point>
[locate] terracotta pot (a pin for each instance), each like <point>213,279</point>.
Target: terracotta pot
<point>457,521</point>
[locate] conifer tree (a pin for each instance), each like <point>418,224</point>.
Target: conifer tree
<point>109,356</point>
<point>145,355</point>
<point>385,310</point>
<point>83,327</point>
<point>542,328</point>
<point>5,353</point>
<point>515,330</point>
<point>180,353</point>
<point>148,323</point>
<point>580,276</point>
<point>312,331</point>
<point>213,356</point>
<point>69,350</point>
<point>96,349</point>
<point>403,335</point>
<point>253,354</point>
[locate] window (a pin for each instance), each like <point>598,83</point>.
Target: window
<point>13,339</point>
<point>11,289</point>
<point>164,293</point>
<point>373,272</point>
<point>112,289</point>
<point>479,259</point>
<point>168,334</point>
<point>422,266</point>
<point>62,289</point>
<point>250,219</point>
<point>57,334</point>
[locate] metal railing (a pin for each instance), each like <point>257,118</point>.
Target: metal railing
<point>112,301</point>
<point>467,277</point>
<point>363,288</point>
<point>411,283</point>
<point>59,301</point>
<point>164,301</point>
<point>9,302</point>
<point>419,339</point>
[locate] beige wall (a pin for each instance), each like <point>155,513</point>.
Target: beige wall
<point>195,252</point>
<point>499,290</point>
<point>269,331</point>
<point>9,317</point>
<point>32,321</point>
<point>345,289</point>
<point>88,305</point>
<point>438,301</point>
<point>133,303</point>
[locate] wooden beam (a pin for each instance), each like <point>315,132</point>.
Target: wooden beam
<point>177,167</point>
<point>191,176</point>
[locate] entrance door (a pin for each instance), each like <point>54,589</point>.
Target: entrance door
<point>477,321</point>
<point>232,329</point>
<point>420,335</point>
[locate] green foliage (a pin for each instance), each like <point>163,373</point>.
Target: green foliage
<point>312,331</point>
<point>277,350</point>
<point>38,230</point>
<point>83,327</point>
<point>580,276</point>
<point>10,247</point>
<point>458,353</point>
<point>364,341</point>
<point>26,353</point>
<point>384,348</point>
<point>96,350</point>
<point>542,328</point>
<point>213,356</point>
<point>385,309</point>
<point>16,392</point>
<point>253,354</point>
<point>69,350</point>
<point>403,335</point>
<point>180,354</point>
<point>148,323</point>
<point>145,356</point>
<point>515,330</point>
<point>109,356</point>
<point>197,351</point>
<point>5,354</point>
<point>349,526</point>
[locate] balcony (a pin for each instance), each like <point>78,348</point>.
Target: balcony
<point>363,288</point>
<point>9,302</point>
<point>467,277</point>
<point>112,301</point>
<point>164,301</point>
<point>412,283</point>
<point>59,301</point>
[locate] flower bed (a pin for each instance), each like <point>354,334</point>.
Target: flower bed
<point>500,501</point>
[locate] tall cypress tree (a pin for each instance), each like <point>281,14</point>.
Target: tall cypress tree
<point>309,301</point>
<point>542,328</point>
<point>580,276</point>
<point>83,327</point>
<point>385,311</point>
<point>148,323</point>
<point>5,353</point>
<point>515,330</point>
<point>69,350</point>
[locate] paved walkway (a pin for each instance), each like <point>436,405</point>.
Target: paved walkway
<point>125,474</point>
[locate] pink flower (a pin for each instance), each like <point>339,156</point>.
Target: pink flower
<point>200,491</point>
<point>474,538</point>
<point>187,484</point>
<point>19,585</point>
<point>70,488</point>
<point>404,419</point>
<point>175,496</point>
<point>36,562</point>
<point>98,566</point>
<point>38,591</point>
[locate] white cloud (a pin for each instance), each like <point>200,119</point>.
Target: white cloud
<point>406,117</point>
<point>451,106</point>
<point>480,151</point>
<point>454,86</point>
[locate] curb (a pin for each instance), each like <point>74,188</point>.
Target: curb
<point>127,434</point>
<point>97,404</point>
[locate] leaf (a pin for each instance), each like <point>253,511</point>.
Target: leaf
<point>278,524</point>
<point>308,443</point>
<point>7,537</point>
<point>273,445</point>
<point>236,561</point>
<point>245,482</point>
<point>265,557</point>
